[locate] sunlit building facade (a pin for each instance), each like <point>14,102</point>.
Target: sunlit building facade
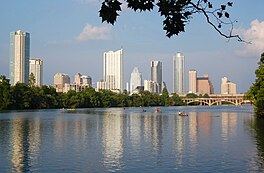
<point>60,79</point>
<point>135,80</point>
<point>113,70</point>
<point>204,85</point>
<point>19,57</point>
<point>178,74</point>
<point>228,87</point>
<point>156,74</point>
<point>192,81</point>
<point>36,68</point>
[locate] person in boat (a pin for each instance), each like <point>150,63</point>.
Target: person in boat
<point>157,110</point>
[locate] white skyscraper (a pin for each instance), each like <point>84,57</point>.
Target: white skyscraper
<point>135,79</point>
<point>178,73</point>
<point>113,70</point>
<point>36,67</point>
<point>156,73</point>
<point>19,57</point>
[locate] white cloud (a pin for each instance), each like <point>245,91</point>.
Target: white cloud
<point>90,32</point>
<point>255,35</point>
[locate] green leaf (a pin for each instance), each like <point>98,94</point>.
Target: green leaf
<point>226,14</point>
<point>230,4</point>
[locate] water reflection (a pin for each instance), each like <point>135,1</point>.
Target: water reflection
<point>25,142</point>
<point>116,140</point>
<point>112,140</point>
<point>257,124</point>
<point>135,130</point>
<point>229,125</point>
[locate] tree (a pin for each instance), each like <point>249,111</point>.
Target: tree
<point>191,95</point>
<point>4,93</point>
<point>32,80</point>
<point>176,13</point>
<point>165,99</point>
<point>256,91</point>
<point>176,100</point>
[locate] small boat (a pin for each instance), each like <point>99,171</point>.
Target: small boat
<point>158,110</point>
<point>70,109</point>
<point>182,114</point>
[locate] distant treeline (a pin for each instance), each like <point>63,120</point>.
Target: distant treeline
<point>28,96</point>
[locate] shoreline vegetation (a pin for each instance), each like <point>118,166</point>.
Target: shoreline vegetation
<point>27,96</point>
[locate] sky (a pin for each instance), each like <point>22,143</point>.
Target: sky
<point>69,36</point>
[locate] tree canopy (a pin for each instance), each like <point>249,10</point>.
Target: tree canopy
<point>256,91</point>
<point>176,13</point>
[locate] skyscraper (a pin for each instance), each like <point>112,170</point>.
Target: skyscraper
<point>178,73</point>
<point>156,73</point>
<point>135,79</point>
<point>36,67</point>
<point>113,70</point>
<point>19,57</point>
<point>192,81</point>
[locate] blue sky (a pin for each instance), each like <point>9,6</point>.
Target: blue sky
<point>69,36</point>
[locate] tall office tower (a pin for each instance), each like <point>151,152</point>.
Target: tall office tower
<point>135,80</point>
<point>192,81</point>
<point>36,67</point>
<point>60,80</point>
<point>204,85</point>
<point>19,57</point>
<point>156,73</point>
<point>113,70</point>
<point>178,73</point>
<point>227,87</point>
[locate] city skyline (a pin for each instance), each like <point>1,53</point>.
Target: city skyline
<point>68,41</point>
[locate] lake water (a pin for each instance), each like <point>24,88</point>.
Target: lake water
<point>210,139</point>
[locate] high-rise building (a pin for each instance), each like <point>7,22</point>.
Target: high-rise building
<point>178,73</point>
<point>151,86</point>
<point>113,70</point>
<point>82,80</point>
<point>135,79</point>
<point>156,73</point>
<point>36,68</point>
<point>227,87</point>
<point>78,79</point>
<point>60,80</point>
<point>192,81</point>
<point>204,85</point>
<point>19,57</point>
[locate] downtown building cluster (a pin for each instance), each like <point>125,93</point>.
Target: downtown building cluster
<point>22,67</point>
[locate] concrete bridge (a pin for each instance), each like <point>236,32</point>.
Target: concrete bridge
<point>214,99</point>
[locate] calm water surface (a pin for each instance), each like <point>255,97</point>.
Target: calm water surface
<point>210,139</point>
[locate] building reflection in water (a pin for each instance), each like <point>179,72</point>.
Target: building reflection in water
<point>229,125</point>
<point>179,134</point>
<point>204,120</point>
<point>60,131</point>
<point>112,140</point>
<point>135,130</point>
<point>193,128</point>
<point>25,141</point>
